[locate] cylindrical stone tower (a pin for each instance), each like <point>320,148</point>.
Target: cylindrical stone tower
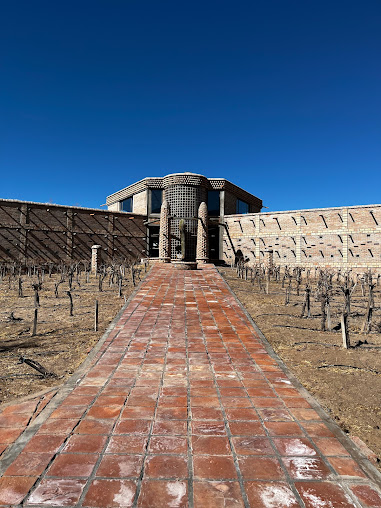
<point>202,234</point>
<point>164,234</point>
<point>184,193</point>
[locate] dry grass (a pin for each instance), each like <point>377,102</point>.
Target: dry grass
<point>62,342</point>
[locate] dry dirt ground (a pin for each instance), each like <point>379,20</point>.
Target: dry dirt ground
<point>351,396</point>
<point>62,341</point>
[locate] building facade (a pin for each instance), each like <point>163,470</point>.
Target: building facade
<point>347,238</point>
<point>184,192</point>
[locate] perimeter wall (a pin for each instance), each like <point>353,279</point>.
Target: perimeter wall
<point>38,232</point>
<point>343,237</point>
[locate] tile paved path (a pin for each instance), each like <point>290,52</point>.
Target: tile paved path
<point>184,406</point>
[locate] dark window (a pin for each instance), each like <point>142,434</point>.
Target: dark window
<point>242,207</point>
<point>156,200</point>
<point>127,205</point>
<point>214,202</point>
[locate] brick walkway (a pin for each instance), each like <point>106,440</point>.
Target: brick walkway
<point>184,406</point>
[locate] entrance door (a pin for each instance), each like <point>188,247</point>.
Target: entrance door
<point>153,241</point>
<point>214,243</point>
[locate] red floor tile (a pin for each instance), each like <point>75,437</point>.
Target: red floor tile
<point>138,412</point>
<point>367,495</point>
<point>85,443</point>
<point>44,443</point>
<point>306,468</point>
<point>120,466</point>
<point>133,426</point>
<point>346,466</point>
<point>294,446</point>
<point>217,494</point>
<point>29,464</point>
<point>214,445</point>
<point>241,414</point>
<point>323,494</point>
<point>13,489</point>
<point>317,429</point>
<point>110,493</point>
<point>201,413</point>
<point>284,429</point>
<point>132,443</point>
<point>104,412</point>
<point>261,468</point>
<point>162,494</point>
<point>208,428</point>
<point>8,436</point>
<point>57,492</point>
<point>166,466</point>
<point>242,428</point>
<point>92,426</point>
<point>168,444</point>
<point>170,427</point>
<point>69,464</point>
<point>276,495</point>
<point>330,446</point>
<point>58,426</point>
<point>252,446</point>
<point>214,467</point>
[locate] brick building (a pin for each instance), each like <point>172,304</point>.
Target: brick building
<point>339,237</point>
<point>184,192</point>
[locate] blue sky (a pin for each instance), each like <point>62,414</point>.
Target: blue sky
<point>282,97</point>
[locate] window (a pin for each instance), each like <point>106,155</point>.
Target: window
<point>242,207</point>
<point>214,202</point>
<point>156,200</point>
<point>126,205</point>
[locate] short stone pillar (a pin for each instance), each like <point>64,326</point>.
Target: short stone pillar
<point>164,234</point>
<point>95,258</point>
<point>269,260</point>
<point>202,250</point>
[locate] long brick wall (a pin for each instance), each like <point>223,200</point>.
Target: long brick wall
<point>343,237</point>
<point>43,232</point>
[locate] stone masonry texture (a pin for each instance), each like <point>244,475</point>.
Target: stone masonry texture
<point>346,238</point>
<point>183,405</point>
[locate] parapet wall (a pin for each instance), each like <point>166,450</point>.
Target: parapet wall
<point>43,232</point>
<point>345,237</point>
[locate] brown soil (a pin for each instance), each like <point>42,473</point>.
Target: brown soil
<point>352,397</point>
<point>62,342</point>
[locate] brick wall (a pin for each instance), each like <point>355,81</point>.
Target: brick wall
<point>53,233</point>
<point>140,202</point>
<point>347,237</point>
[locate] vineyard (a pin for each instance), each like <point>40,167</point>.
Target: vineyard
<point>325,325</point>
<point>52,315</point>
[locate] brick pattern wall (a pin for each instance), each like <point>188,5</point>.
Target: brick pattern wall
<point>348,237</point>
<point>52,233</point>
<point>140,203</point>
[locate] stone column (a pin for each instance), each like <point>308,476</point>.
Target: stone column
<point>95,258</point>
<point>202,254</point>
<point>164,234</point>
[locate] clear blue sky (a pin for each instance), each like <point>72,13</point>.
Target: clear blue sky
<point>281,97</point>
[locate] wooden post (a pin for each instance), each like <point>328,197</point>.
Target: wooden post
<point>96,316</point>
<point>344,330</point>
<point>71,302</point>
<point>35,322</point>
